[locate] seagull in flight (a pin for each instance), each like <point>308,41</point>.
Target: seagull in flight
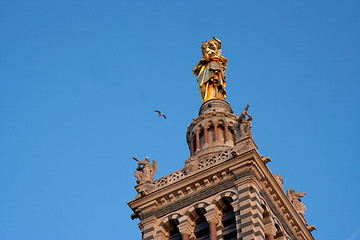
<point>160,114</point>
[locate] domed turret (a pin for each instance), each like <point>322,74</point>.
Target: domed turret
<point>214,130</point>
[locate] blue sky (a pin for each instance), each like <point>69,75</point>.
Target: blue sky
<point>80,80</point>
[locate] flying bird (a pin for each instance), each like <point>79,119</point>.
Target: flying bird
<point>160,114</point>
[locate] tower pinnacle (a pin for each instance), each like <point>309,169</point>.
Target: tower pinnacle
<point>225,190</point>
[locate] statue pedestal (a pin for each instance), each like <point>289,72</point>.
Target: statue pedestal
<point>215,105</point>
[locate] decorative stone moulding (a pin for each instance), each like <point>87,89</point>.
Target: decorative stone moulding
<point>218,105</point>
<point>203,163</point>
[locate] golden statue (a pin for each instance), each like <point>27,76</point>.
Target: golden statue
<point>211,71</point>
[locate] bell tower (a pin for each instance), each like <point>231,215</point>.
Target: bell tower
<point>225,190</point>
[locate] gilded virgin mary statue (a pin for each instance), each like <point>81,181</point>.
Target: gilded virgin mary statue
<point>211,71</point>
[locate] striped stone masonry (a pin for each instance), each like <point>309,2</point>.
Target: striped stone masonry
<point>252,226</point>
<point>225,190</point>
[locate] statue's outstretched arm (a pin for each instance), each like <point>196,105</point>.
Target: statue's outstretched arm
<point>299,194</point>
<point>219,42</point>
<point>138,160</point>
<point>250,117</point>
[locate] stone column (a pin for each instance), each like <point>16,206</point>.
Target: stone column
<point>147,227</point>
<point>192,146</point>
<point>162,234</point>
<point>216,132</point>
<point>252,226</point>
<point>269,227</point>
<point>269,237</point>
<point>185,228</point>
<point>213,218</point>
<point>212,226</point>
<point>227,133</point>
<point>185,236</point>
<point>226,129</point>
<point>206,137</point>
<point>198,139</point>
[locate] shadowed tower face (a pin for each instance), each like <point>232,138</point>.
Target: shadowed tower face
<point>225,190</point>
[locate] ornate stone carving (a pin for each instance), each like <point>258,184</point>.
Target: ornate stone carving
<point>215,159</point>
<point>311,228</point>
<point>265,160</point>
<point>295,199</point>
<point>211,71</point>
<point>191,165</point>
<point>245,124</point>
<point>197,163</point>
<point>145,171</point>
<point>170,178</point>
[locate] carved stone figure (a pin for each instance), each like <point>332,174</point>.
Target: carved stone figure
<point>265,160</point>
<point>145,171</point>
<point>311,228</point>
<point>191,165</point>
<point>295,199</point>
<point>245,124</point>
<point>211,71</point>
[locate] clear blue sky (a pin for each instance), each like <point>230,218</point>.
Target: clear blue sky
<point>80,80</point>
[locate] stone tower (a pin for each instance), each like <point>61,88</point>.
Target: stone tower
<point>225,190</point>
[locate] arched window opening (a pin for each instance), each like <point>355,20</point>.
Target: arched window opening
<point>228,219</point>
<point>170,230</point>
<point>174,230</point>
<point>201,231</point>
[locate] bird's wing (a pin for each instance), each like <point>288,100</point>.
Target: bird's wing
<point>157,111</point>
<point>164,116</point>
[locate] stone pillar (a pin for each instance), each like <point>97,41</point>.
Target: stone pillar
<point>198,139</point>
<point>185,228</point>
<point>212,226</point>
<point>252,226</point>
<point>228,141</point>
<point>269,237</point>
<point>162,234</point>
<point>147,227</point>
<point>226,129</point>
<point>216,132</point>
<point>213,218</point>
<point>206,137</point>
<point>235,137</point>
<point>185,236</point>
<point>269,227</point>
<point>192,146</point>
